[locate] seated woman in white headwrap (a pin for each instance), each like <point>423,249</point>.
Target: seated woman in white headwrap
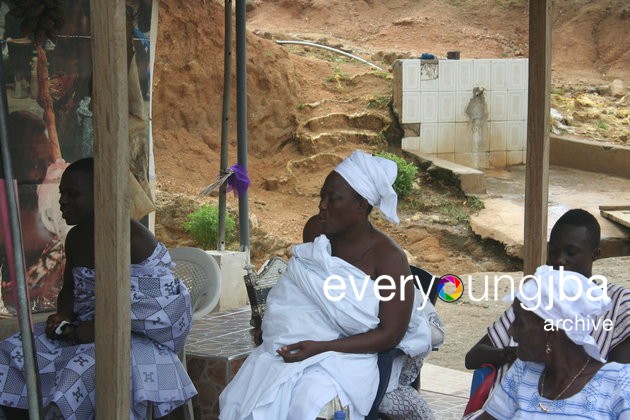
<point>320,340</point>
<point>560,372</point>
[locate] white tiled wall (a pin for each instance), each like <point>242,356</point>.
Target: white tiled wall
<point>429,107</point>
<point>483,73</point>
<point>439,105</point>
<point>428,138</point>
<point>446,106</point>
<point>446,138</point>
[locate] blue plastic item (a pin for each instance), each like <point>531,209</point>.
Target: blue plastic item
<point>427,56</point>
<point>340,415</point>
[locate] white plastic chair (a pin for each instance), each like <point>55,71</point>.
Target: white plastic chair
<point>201,274</point>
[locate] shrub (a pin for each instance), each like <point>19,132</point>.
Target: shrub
<point>406,174</point>
<point>203,226</point>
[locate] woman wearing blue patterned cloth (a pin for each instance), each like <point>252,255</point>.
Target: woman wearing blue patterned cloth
<point>560,372</point>
<point>160,320</point>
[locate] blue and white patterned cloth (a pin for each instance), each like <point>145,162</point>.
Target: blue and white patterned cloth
<point>605,396</point>
<point>160,320</point>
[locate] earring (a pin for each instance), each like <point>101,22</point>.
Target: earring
<point>548,348</point>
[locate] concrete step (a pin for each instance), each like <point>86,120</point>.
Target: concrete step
<point>469,180</point>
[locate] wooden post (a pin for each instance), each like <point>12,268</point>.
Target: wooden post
<point>537,168</point>
<point>111,195</point>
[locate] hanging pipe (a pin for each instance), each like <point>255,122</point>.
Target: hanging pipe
<point>10,209</point>
<point>326,47</point>
<point>227,80</point>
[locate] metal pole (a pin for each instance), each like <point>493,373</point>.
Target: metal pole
<point>225,118</point>
<point>24,316</point>
<point>241,118</point>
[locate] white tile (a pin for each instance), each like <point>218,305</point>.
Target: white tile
<point>461,102</point>
<point>446,106</point>
<point>446,138</point>
<point>411,107</point>
<point>515,140</point>
<point>524,156</point>
<point>465,75</point>
<point>515,109</point>
<point>428,138</point>
<point>448,75</point>
<point>465,159</point>
<point>525,103</point>
<point>497,136</point>
<point>513,158</point>
<point>497,159</point>
<point>429,107</point>
<point>463,138</point>
<point>499,75</point>
<point>498,105</point>
<point>429,85</point>
<point>482,73</point>
<point>410,143</point>
<point>411,75</point>
<point>517,74</point>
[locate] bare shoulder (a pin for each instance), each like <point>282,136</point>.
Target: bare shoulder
<point>312,229</point>
<point>391,259</point>
<point>142,242</point>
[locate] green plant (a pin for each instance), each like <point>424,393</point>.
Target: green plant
<point>203,226</point>
<point>406,174</point>
<point>474,203</point>
<point>338,76</point>
<point>454,214</point>
<point>601,124</point>
<point>300,105</point>
<point>378,102</point>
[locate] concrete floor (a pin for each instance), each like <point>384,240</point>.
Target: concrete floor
<point>502,218</point>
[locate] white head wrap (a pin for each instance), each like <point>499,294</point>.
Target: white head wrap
<point>372,178</point>
<point>558,296</point>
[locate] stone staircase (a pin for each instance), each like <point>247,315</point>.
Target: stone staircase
<point>327,132</point>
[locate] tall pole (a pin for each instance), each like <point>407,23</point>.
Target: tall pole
<point>225,119</point>
<point>241,118</point>
<point>13,238</point>
<point>111,212</point>
<point>537,167</point>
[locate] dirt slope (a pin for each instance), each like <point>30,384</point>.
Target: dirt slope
<point>292,88</point>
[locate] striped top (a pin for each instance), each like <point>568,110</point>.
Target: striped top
<point>605,396</point>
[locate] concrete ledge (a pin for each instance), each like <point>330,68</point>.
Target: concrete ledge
<point>233,292</point>
<point>469,180</point>
<point>590,156</point>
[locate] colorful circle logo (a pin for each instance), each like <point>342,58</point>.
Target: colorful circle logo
<point>450,288</point>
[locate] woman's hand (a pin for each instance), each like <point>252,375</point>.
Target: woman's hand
<point>53,322</point>
<point>301,350</point>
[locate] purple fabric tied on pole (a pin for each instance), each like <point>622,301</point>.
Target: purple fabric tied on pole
<point>238,181</point>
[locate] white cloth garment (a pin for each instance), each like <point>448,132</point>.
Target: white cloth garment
<point>372,178</point>
<point>569,301</point>
<point>298,309</point>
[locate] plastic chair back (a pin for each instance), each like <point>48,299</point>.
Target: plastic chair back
<point>201,274</point>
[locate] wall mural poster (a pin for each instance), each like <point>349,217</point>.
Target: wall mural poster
<point>50,125</point>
